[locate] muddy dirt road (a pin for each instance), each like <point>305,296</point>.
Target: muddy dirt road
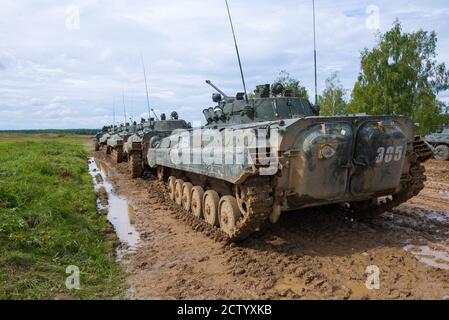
<point>314,254</point>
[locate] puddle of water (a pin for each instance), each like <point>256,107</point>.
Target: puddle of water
<point>439,216</point>
<point>431,215</point>
<point>102,167</point>
<point>120,213</point>
<point>432,257</point>
<point>290,283</point>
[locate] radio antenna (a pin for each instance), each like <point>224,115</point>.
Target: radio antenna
<point>132,108</point>
<point>113,113</point>
<point>314,54</point>
<point>124,107</point>
<point>150,110</point>
<point>237,50</point>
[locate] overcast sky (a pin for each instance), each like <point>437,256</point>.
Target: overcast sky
<point>64,63</point>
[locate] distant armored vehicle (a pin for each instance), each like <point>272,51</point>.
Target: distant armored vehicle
<point>441,143</point>
<point>256,159</point>
<point>117,140</point>
<point>101,137</point>
<point>136,147</point>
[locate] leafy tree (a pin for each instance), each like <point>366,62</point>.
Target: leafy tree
<point>402,76</point>
<point>332,100</point>
<point>292,84</point>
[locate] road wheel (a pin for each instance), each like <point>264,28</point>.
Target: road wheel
<point>210,204</point>
<point>442,153</point>
<point>187,196</point>
<point>178,191</point>
<point>197,202</point>
<point>229,214</point>
<point>171,187</point>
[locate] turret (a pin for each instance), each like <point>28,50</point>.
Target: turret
<point>269,103</point>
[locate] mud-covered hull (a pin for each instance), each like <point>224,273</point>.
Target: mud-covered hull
<point>370,157</point>
<point>436,139</point>
<point>367,157</point>
<point>440,143</point>
<point>134,143</point>
<point>103,140</point>
<point>118,140</point>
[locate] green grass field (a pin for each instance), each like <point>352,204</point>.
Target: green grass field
<point>48,221</point>
<point>8,137</point>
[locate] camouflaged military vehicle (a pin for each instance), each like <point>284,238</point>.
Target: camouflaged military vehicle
<point>136,147</point>
<point>440,141</point>
<point>101,138</point>
<point>256,159</point>
<point>117,140</point>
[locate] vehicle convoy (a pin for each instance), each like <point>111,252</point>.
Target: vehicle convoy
<point>136,147</point>
<point>117,140</point>
<point>440,141</point>
<point>258,158</point>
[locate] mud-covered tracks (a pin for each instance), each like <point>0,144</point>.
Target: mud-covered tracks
<point>235,215</point>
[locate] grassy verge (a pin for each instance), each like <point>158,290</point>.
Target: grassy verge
<point>48,221</point>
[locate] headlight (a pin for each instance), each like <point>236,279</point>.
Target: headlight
<point>327,152</point>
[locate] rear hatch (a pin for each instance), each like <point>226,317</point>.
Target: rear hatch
<point>348,157</point>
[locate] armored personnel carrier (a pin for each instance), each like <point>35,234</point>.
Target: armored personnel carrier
<point>101,137</point>
<point>440,141</point>
<point>256,159</point>
<point>117,140</point>
<point>136,147</point>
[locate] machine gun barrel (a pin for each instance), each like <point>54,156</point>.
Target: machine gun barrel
<point>215,87</point>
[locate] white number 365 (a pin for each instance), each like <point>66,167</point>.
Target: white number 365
<point>389,154</point>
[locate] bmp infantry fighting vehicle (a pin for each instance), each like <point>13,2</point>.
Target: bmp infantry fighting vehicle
<point>101,137</point>
<point>136,147</point>
<point>441,143</point>
<point>117,140</point>
<point>258,158</point>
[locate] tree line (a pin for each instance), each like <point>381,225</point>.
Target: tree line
<point>399,76</point>
<point>80,132</point>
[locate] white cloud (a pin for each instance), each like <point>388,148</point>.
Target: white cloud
<point>52,77</point>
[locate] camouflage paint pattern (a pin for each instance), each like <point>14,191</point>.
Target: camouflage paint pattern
<point>319,160</point>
